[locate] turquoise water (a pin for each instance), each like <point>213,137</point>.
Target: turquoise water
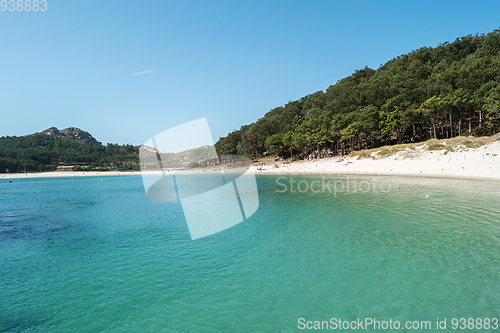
<point>85,255</point>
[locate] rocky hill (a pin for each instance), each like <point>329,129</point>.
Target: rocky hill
<point>70,133</point>
<point>53,148</point>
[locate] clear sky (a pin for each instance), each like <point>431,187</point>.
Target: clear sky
<point>127,70</point>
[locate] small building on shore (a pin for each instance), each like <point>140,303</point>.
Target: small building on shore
<point>65,167</point>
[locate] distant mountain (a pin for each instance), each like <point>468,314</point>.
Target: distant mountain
<point>53,148</point>
<point>70,133</point>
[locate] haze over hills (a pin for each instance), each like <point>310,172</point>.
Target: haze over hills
<point>52,148</point>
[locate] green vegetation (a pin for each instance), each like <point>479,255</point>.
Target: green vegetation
<point>43,152</point>
<point>448,91</point>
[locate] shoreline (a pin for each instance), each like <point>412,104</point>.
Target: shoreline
<point>66,174</point>
<point>274,173</point>
<point>478,164</point>
<point>468,178</point>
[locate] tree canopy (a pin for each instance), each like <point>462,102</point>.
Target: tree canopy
<point>442,92</point>
<point>43,152</point>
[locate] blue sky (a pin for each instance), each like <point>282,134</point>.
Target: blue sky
<point>229,61</point>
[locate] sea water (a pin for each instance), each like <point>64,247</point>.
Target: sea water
<point>94,254</point>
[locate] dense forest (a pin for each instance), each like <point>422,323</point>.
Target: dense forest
<point>442,92</point>
<point>43,152</point>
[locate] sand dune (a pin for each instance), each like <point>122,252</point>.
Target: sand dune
<point>481,163</point>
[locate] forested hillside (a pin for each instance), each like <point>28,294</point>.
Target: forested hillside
<point>42,152</point>
<point>442,92</point>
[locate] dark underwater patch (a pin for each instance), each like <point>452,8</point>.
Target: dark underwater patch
<point>19,324</point>
<point>21,226</point>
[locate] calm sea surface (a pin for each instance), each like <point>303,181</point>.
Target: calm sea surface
<point>98,256</point>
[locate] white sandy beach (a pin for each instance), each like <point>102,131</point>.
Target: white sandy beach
<point>481,163</point>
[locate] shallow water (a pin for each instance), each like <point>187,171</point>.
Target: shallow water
<point>88,255</point>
